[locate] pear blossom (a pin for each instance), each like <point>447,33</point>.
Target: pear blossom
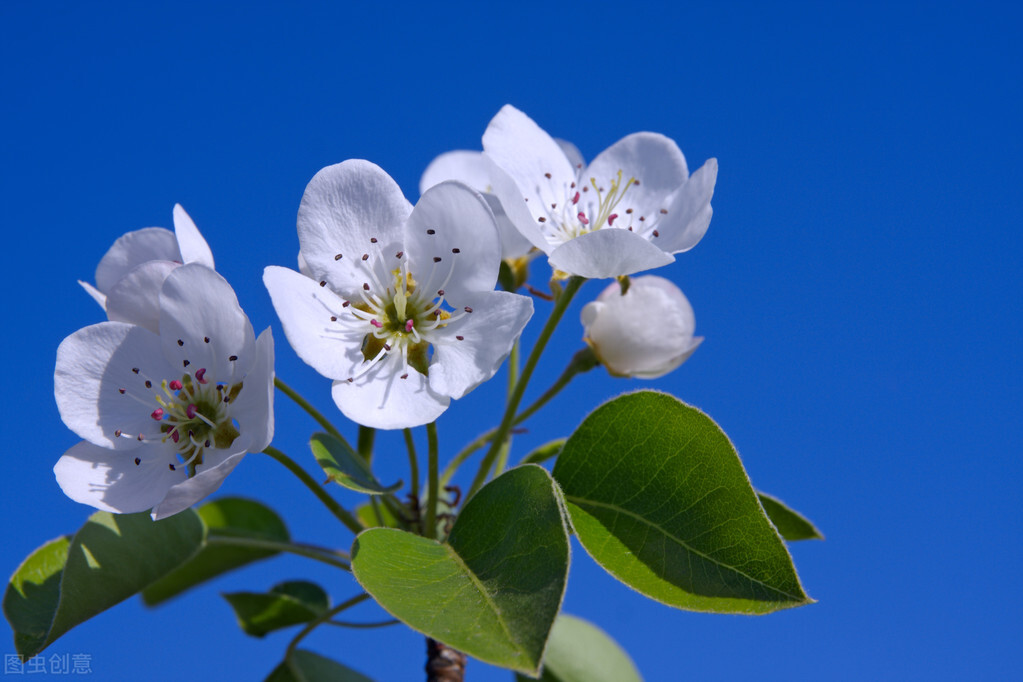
<point>400,310</point>
<point>130,274</point>
<point>645,332</point>
<point>166,416</point>
<point>629,210</point>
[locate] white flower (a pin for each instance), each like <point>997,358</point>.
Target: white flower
<point>645,333</point>
<point>130,274</point>
<point>400,310</point>
<point>628,211</point>
<point>165,417</point>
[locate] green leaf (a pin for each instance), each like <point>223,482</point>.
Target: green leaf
<point>345,467</point>
<point>286,604</point>
<point>232,517</point>
<point>306,666</point>
<point>791,524</point>
<point>658,497</point>
<point>109,559</point>
<point>494,589</point>
<point>33,594</point>
<point>545,452</point>
<point>579,651</point>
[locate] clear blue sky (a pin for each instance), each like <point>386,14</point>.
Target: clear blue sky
<point>859,286</point>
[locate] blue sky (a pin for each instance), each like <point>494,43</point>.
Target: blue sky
<point>858,288</point>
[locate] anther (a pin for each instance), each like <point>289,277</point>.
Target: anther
<point>117,433</point>
<point>436,259</point>
<point>376,323</point>
<point>582,218</point>
<point>664,211</point>
<point>642,218</point>
<point>135,369</point>
<point>337,257</point>
<point>175,385</point>
<point>460,338</point>
<point>185,363</point>
<point>387,346</point>
<point>157,414</point>
<point>141,437</point>
<point>440,292</point>
<point>206,339</point>
<point>547,175</point>
<point>346,304</point>
<point>372,240</point>
<point>431,231</point>
<point>351,379</point>
<point>554,205</point>
<point>171,467</point>
<point>207,443</point>
<point>190,411</point>
<point>542,219</point>
<point>468,309</point>
<point>611,219</point>
<point>180,342</point>
<point>365,256</point>
<point>149,384</point>
<point>175,436</point>
<point>404,376</point>
<point>365,286</point>
<point>399,254</point>
<point>138,461</point>
<point>200,375</point>
<point>323,282</point>
<point>408,326</point>
<point>333,318</point>
<point>121,391</point>
<point>575,199</point>
<point>456,251</point>
<point>586,188</point>
<point>232,358</point>
<point>629,211</point>
<point>656,233</point>
<point>636,182</point>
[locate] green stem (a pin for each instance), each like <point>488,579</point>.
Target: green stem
<point>327,556</point>
<point>366,437</point>
<point>312,625</point>
<point>583,361</point>
<point>513,378</point>
<point>305,405</point>
<point>560,306</point>
<point>413,463</point>
<point>430,522</point>
<point>340,512</point>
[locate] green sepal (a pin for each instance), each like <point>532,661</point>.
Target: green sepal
<point>346,467</point>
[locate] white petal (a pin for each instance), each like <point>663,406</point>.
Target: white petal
<point>186,493</point>
<point>518,215</point>
<point>305,309</point>
<point>475,170</point>
<point>136,296</point>
<point>381,399</point>
<point>609,252</point>
<point>93,365</point>
<point>689,214</point>
<point>652,159</point>
<point>96,294</point>
<point>111,481</point>
<point>194,248</point>
<point>133,249</point>
<point>572,153</point>
<point>344,208</point>
<point>646,333</point>
<point>528,155</point>
<point>488,334</point>
<point>465,166</point>
<point>452,242</point>
<point>303,266</point>
<point>197,304</point>
<point>253,408</point>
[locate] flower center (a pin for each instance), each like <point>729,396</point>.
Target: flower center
<point>584,211</point>
<point>400,315</point>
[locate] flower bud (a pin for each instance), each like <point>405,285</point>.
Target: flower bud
<point>646,332</point>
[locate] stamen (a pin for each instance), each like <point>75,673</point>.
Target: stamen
<point>200,375</point>
<point>175,385</point>
<point>337,257</point>
<point>157,414</point>
<point>431,232</point>
<point>408,325</point>
<point>372,240</point>
<point>582,218</point>
<point>180,342</point>
<point>611,219</point>
<point>376,323</point>
<point>137,461</point>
